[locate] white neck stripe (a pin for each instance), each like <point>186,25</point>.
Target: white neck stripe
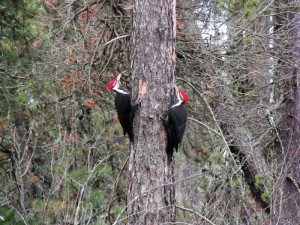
<point>177,104</point>
<point>116,88</point>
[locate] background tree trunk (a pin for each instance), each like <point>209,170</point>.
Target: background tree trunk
<point>286,198</point>
<point>151,193</point>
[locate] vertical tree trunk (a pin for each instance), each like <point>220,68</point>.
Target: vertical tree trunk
<point>151,193</point>
<point>286,197</point>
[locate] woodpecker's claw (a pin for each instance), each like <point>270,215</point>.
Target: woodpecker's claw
<point>135,107</point>
<point>164,120</point>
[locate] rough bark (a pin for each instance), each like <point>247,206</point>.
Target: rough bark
<point>286,195</point>
<point>151,193</point>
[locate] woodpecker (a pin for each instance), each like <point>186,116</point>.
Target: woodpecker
<point>125,109</point>
<point>175,122</point>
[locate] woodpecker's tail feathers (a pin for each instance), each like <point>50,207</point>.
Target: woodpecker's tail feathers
<point>170,139</point>
<point>170,151</point>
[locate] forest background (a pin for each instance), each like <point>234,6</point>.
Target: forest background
<point>63,157</point>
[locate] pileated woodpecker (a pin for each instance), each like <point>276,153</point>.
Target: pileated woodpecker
<point>125,109</point>
<point>175,122</point>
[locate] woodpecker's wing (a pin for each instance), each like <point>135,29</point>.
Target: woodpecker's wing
<point>177,121</point>
<point>133,109</point>
<point>170,138</point>
<point>122,104</point>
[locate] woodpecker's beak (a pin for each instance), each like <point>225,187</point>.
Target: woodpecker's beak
<point>119,76</point>
<point>176,88</point>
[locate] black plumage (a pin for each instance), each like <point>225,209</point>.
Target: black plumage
<point>175,126</point>
<point>125,114</point>
<point>125,109</point>
<point>175,122</point>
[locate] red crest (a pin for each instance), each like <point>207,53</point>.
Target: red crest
<point>111,84</point>
<point>184,96</point>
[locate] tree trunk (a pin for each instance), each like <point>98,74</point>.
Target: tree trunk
<point>286,195</point>
<point>151,193</point>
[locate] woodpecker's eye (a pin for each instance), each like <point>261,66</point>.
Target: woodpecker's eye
<point>111,84</point>
<point>184,96</point>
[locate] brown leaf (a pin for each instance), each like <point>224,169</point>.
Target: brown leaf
<point>90,104</point>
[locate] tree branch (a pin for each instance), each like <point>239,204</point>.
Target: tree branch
<point>198,214</point>
<point>249,172</point>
